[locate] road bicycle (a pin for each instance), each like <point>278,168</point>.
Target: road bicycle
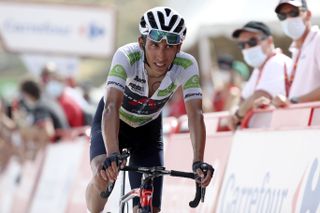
<point>145,192</point>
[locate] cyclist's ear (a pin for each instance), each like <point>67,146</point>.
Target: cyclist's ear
<point>141,41</point>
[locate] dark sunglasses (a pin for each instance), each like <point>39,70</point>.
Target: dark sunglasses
<point>252,42</point>
<point>293,13</point>
<point>171,38</point>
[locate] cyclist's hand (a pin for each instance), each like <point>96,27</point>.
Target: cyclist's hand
<point>100,179</point>
<point>204,171</point>
<point>111,167</point>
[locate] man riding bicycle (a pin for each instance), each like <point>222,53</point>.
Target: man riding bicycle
<point>142,78</point>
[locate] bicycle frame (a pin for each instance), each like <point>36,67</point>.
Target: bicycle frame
<point>145,193</point>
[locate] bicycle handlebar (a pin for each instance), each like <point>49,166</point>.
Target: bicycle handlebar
<point>161,171</point>
<point>156,172</point>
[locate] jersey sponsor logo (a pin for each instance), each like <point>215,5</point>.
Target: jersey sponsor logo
<point>118,71</point>
<point>134,118</point>
<point>140,80</point>
<point>167,90</point>
<point>135,87</point>
<point>185,63</point>
<point>134,57</point>
<point>141,105</point>
<point>193,82</point>
<point>199,94</point>
<point>115,83</point>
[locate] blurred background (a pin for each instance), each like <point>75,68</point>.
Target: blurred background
<point>79,36</point>
<point>50,46</point>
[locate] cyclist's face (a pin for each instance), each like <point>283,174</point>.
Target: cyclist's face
<point>160,55</point>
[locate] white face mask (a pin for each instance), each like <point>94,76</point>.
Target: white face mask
<point>54,89</point>
<point>254,56</point>
<point>293,27</point>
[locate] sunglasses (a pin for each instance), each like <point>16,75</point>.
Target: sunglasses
<point>293,13</point>
<point>171,38</point>
<point>252,42</point>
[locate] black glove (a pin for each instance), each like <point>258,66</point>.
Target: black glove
<point>205,167</point>
<point>114,157</point>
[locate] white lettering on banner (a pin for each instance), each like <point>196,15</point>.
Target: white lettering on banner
<point>272,171</point>
<point>252,199</point>
<point>57,29</point>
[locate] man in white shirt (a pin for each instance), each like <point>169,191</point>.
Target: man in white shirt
<point>267,79</point>
<point>304,81</point>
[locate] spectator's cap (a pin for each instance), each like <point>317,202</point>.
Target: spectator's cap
<point>252,26</point>
<point>296,3</point>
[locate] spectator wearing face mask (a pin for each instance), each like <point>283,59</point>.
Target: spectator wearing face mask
<point>55,88</point>
<point>267,79</point>
<point>303,82</point>
<point>75,93</point>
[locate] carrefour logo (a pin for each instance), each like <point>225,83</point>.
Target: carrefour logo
<point>92,31</point>
<point>310,197</point>
<point>264,197</point>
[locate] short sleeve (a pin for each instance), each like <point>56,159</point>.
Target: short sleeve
<point>119,71</point>
<point>189,78</point>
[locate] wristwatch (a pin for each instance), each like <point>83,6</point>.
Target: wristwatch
<point>294,100</point>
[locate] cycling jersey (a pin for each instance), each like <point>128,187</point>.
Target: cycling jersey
<point>128,74</point>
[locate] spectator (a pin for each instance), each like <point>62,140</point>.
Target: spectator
<point>55,88</point>
<point>35,122</point>
<point>267,79</point>
<point>303,82</point>
<point>227,84</point>
<point>50,72</point>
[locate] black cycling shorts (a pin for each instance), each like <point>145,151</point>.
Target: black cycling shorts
<point>145,144</point>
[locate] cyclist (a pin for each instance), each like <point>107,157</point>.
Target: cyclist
<point>142,78</point>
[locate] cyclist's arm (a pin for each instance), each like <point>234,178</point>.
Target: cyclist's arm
<point>110,119</point>
<point>197,128</point>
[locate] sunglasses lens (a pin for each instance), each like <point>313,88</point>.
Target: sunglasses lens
<point>294,13</point>
<point>158,35</point>
<point>281,16</point>
<point>173,38</point>
<point>252,42</point>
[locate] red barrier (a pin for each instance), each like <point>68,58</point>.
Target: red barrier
<point>215,122</point>
<point>178,155</point>
<point>297,115</point>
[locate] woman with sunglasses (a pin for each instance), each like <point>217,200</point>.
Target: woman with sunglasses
<point>303,81</point>
<point>267,79</point>
<point>142,78</point>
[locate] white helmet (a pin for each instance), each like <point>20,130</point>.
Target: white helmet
<point>162,18</point>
